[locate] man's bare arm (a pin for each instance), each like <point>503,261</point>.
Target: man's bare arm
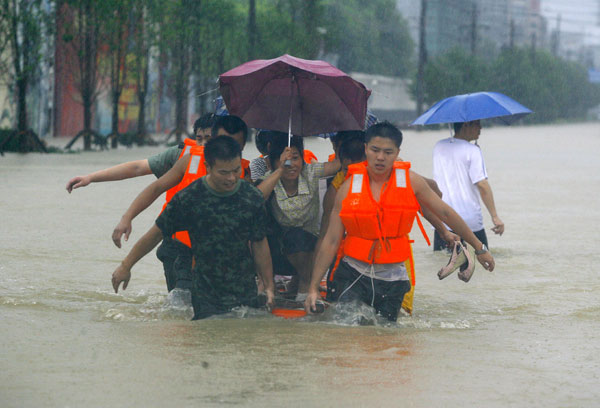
<point>144,245</point>
<point>328,248</point>
<point>264,267</point>
<point>328,202</point>
<point>485,191</point>
<point>332,167</point>
<point>119,172</point>
<point>169,180</point>
<point>427,198</point>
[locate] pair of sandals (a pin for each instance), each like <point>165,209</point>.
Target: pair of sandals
<point>462,258</point>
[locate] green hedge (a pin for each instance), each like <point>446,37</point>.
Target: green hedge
<point>555,89</point>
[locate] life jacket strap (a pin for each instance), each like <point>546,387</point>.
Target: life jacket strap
<point>423,230</point>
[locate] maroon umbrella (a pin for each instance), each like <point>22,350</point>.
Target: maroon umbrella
<point>294,95</point>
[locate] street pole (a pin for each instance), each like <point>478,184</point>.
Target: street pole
<point>422,58</point>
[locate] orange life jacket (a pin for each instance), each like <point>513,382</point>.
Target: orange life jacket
<point>187,146</point>
<point>377,231</point>
<point>194,171</point>
<point>331,157</point>
<point>245,167</point>
<point>309,156</point>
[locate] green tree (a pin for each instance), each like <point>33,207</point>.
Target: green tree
<point>176,19</point>
<point>369,36</point>
<point>82,33</point>
<point>117,33</point>
<point>23,24</point>
<point>456,72</point>
<point>552,87</point>
<point>144,37</point>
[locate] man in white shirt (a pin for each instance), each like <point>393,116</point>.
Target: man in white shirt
<point>459,170</point>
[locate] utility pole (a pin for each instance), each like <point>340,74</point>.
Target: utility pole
<point>474,29</point>
<point>512,34</point>
<point>422,58</point>
<point>251,30</point>
<point>556,37</point>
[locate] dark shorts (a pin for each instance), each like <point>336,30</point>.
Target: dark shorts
<point>286,241</point>
<point>177,263</point>
<point>388,295</point>
<point>439,244</point>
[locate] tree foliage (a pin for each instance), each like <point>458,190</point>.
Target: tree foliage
<point>23,24</point>
<point>369,36</point>
<point>552,87</point>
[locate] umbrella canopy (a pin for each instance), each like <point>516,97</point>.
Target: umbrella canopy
<point>221,110</point>
<point>311,97</point>
<point>468,107</point>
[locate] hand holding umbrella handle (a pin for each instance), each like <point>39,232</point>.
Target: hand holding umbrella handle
<point>285,157</point>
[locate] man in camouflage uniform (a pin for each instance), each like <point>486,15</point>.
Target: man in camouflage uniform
<point>169,251</point>
<point>222,214</point>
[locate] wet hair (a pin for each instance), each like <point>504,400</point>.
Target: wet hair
<point>279,141</point>
<point>348,134</point>
<point>353,149</point>
<point>205,121</point>
<point>262,141</point>
<point>232,125</point>
<point>223,148</point>
<point>384,129</point>
<point>458,126</point>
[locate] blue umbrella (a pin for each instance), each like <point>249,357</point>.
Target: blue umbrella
<point>468,107</point>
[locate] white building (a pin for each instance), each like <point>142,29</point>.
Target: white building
<point>574,26</point>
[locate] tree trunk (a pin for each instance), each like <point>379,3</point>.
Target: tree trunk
<point>115,120</point>
<point>141,126</point>
<point>179,113</point>
<point>252,30</point>
<point>422,58</point>
<point>142,92</point>
<point>87,123</point>
<point>22,104</point>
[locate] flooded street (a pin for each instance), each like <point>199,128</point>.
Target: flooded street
<point>524,335</point>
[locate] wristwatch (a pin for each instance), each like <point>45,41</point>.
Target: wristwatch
<point>483,250</point>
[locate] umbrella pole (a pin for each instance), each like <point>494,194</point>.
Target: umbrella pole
<point>288,162</point>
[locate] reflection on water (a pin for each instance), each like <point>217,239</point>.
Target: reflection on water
<point>524,335</point>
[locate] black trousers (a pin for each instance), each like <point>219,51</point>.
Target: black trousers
<point>177,263</point>
<point>439,243</point>
<point>349,285</point>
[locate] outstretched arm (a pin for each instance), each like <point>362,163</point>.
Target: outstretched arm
<point>433,185</point>
<point>439,226</point>
<point>328,248</point>
<point>328,202</point>
<point>428,199</point>
<point>144,245</point>
<point>485,190</point>
<point>169,180</point>
<point>119,172</point>
<point>264,266</point>
<point>332,167</point>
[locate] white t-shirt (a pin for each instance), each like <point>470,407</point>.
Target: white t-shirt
<point>457,166</point>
